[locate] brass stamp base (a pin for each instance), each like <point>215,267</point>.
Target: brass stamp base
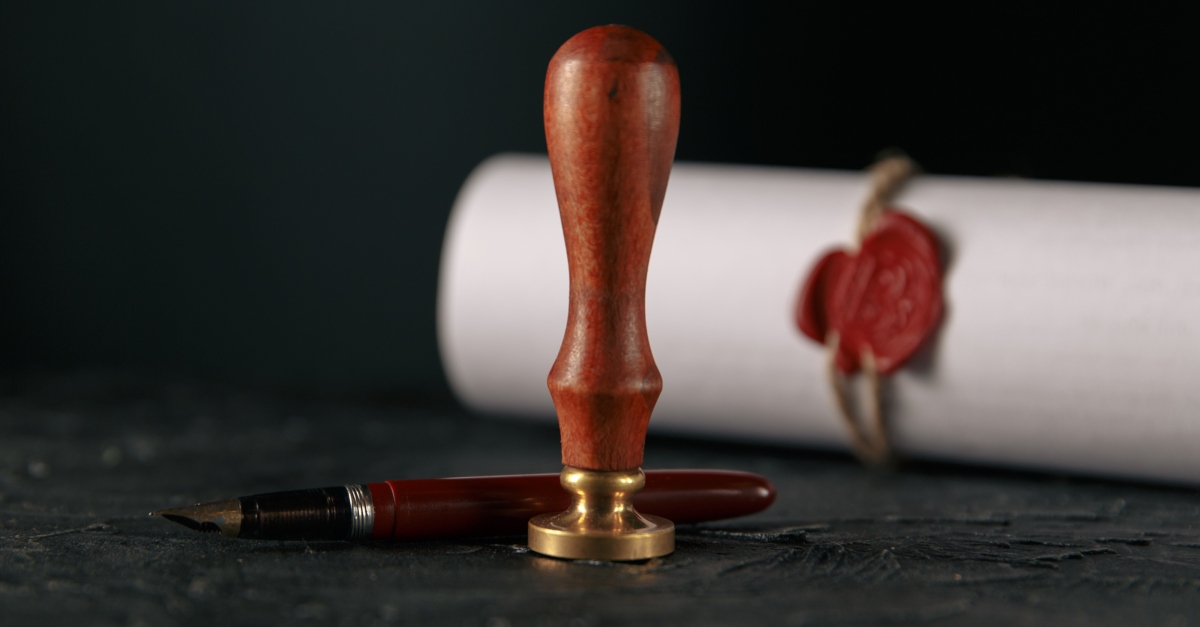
<point>601,523</point>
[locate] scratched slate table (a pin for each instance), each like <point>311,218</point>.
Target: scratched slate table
<point>84,457</point>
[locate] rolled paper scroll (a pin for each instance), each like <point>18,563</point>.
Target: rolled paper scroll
<point>1070,338</point>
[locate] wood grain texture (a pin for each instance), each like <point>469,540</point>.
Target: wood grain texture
<point>612,118</point>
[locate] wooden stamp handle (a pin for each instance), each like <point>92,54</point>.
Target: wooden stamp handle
<point>612,117</point>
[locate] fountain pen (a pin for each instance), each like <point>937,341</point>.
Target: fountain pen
<point>425,509</point>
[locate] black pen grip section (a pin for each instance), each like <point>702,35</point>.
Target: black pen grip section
<point>319,514</point>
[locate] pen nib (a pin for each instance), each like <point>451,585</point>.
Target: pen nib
<point>222,516</point>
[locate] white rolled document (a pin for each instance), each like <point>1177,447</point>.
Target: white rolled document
<point>1071,339</point>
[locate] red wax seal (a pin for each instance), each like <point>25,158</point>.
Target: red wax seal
<point>887,297</point>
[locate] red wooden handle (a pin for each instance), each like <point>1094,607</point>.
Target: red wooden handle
<point>612,117</point>
<point>475,506</point>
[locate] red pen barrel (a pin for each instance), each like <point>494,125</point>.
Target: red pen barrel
<point>421,509</point>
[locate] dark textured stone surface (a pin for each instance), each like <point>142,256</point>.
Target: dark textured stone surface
<point>83,458</point>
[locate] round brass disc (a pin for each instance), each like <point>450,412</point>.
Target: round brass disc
<point>548,537</point>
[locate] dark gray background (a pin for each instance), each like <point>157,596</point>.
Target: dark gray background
<point>256,191</point>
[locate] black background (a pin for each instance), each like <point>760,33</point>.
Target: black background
<point>257,191</point>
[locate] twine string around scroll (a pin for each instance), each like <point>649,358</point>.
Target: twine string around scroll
<point>869,438</point>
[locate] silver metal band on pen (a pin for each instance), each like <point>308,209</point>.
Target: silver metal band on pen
<point>362,512</point>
